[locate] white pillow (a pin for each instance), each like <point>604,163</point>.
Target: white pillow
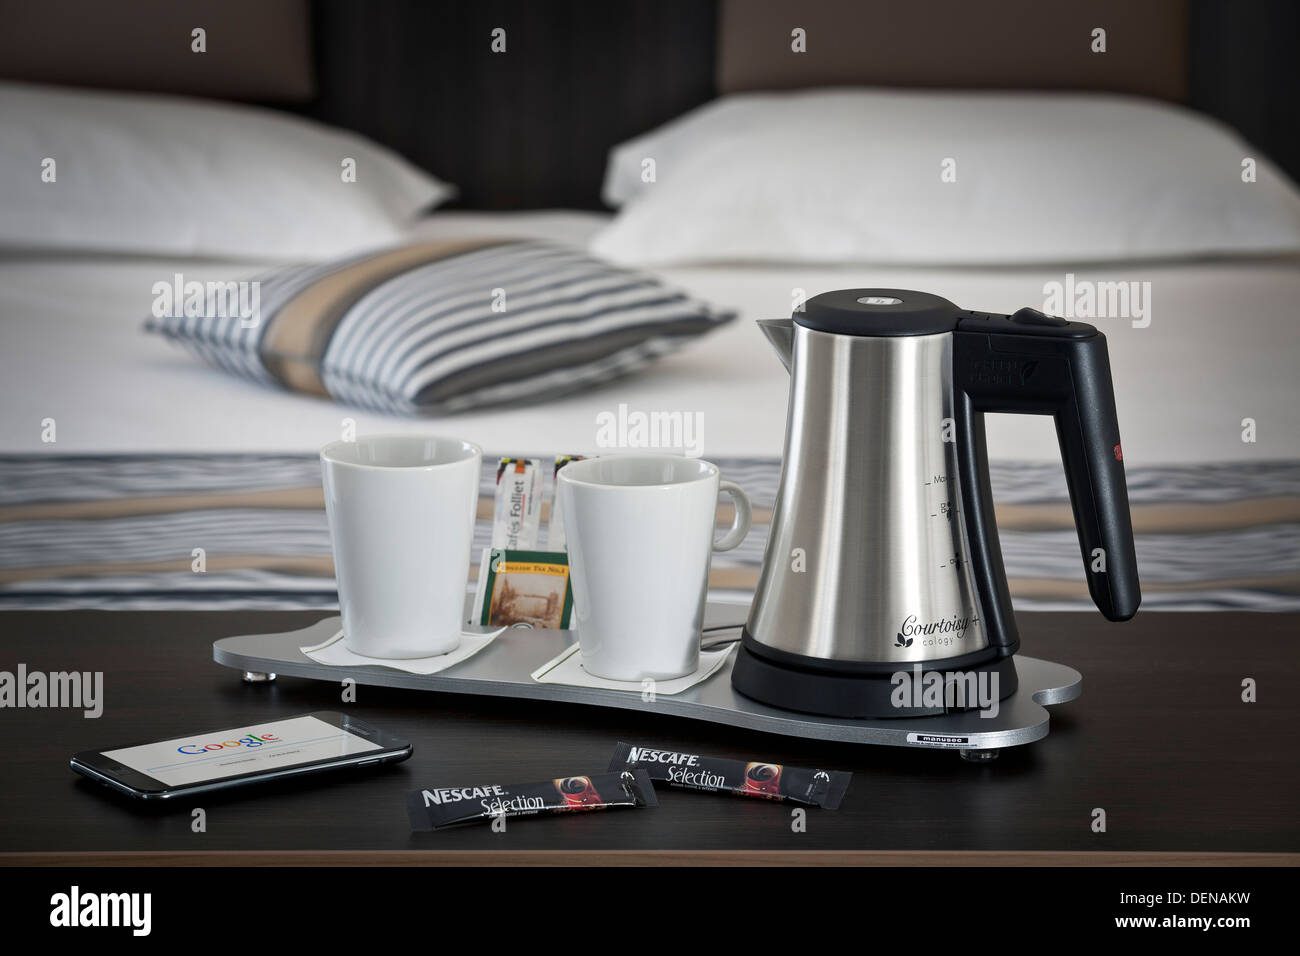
<point>857,175</point>
<point>156,174</point>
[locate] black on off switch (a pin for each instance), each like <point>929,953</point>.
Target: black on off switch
<point>1034,317</point>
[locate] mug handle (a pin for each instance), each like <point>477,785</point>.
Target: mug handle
<point>744,516</point>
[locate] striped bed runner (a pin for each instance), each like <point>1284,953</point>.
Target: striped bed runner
<point>122,532</point>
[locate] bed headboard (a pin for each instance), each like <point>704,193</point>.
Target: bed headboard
<point>256,50</point>
<point>531,128</point>
<point>998,44</point>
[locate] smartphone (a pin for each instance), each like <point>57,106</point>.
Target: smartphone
<point>225,759</point>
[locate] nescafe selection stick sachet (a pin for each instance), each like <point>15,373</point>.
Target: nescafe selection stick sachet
<point>434,807</point>
<point>743,778</point>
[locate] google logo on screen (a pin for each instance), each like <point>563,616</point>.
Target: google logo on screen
<point>252,740</point>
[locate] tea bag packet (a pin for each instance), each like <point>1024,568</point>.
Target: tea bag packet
<point>524,589</point>
<point>435,807</point>
<point>517,514</point>
<point>555,539</point>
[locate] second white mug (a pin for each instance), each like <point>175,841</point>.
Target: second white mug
<point>640,532</point>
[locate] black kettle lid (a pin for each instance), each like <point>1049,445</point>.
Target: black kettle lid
<point>879,312</point>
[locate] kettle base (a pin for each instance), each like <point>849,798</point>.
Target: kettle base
<point>857,695</point>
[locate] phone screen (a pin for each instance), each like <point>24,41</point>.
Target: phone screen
<point>253,749</point>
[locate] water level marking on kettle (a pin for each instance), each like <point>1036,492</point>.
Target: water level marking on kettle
<point>947,506</point>
<point>946,510</point>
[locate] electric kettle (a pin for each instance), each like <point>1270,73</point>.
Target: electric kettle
<point>883,555</point>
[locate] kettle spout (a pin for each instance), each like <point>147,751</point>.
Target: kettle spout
<point>780,332</point>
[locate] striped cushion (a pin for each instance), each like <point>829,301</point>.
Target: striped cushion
<point>446,326</point>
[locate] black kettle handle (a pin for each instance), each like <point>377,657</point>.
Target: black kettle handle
<point>1035,364</point>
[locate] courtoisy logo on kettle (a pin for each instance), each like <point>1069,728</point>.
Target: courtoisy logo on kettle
<point>251,741</point>
<point>954,628</point>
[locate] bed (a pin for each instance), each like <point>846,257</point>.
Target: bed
<point>154,457</point>
<point>132,476</point>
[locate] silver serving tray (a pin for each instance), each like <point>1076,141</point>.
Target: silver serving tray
<point>503,669</point>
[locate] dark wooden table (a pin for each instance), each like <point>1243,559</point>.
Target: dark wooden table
<point>1160,739</point>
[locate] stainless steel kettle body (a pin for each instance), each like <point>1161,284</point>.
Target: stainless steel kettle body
<point>883,554</point>
<point>867,561</point>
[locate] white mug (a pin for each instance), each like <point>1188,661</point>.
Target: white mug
<point>401,513</point>
<point>640,537</point>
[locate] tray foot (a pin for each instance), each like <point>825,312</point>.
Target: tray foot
<point>257,677</point>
